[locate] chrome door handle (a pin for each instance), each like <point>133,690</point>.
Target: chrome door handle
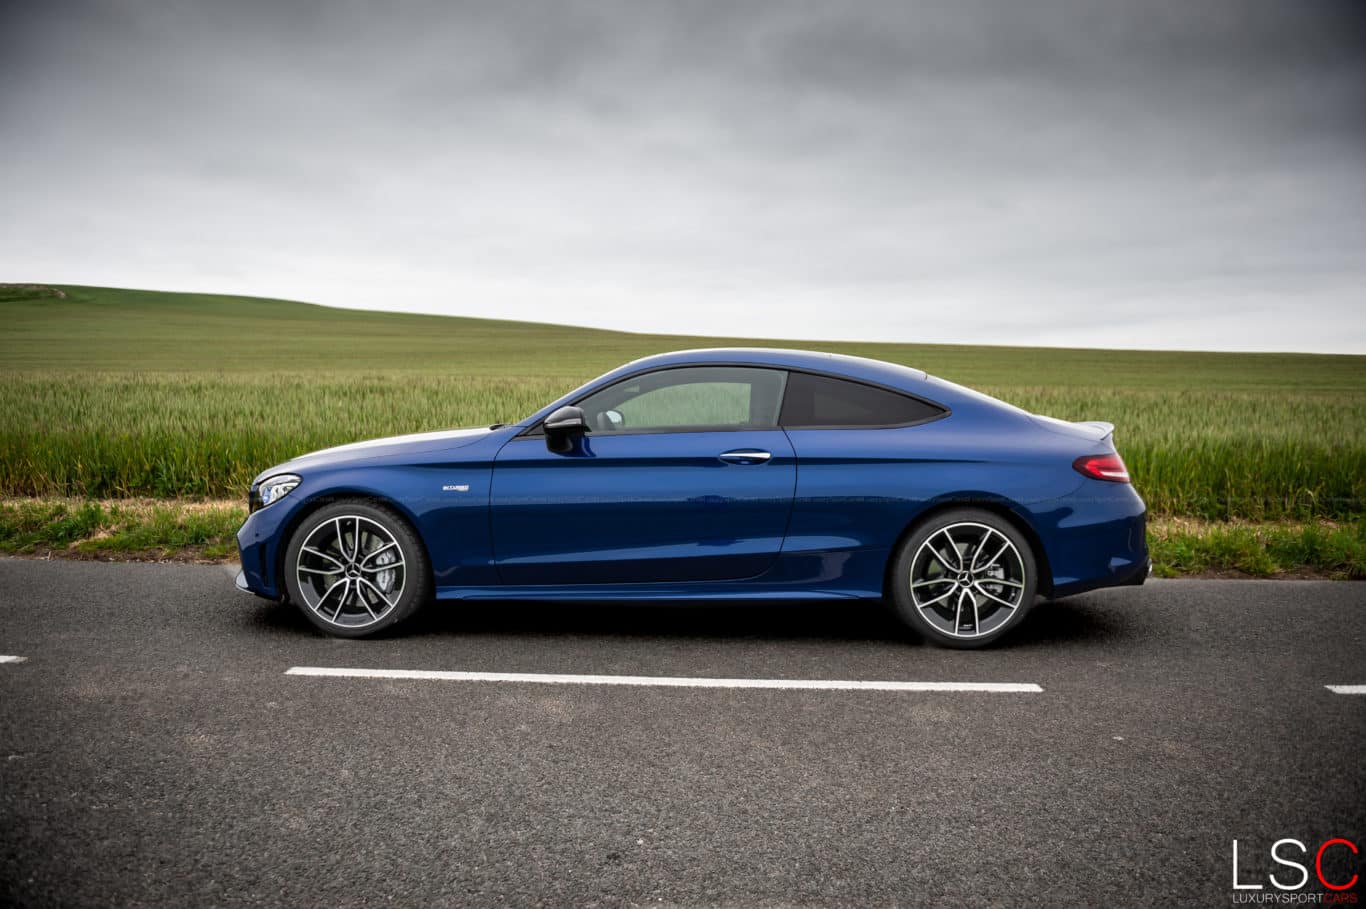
<point>744,457</point>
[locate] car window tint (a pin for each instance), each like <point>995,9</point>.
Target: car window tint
<point>689,398</point>
<point>812,401</point>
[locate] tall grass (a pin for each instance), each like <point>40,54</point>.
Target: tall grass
<point>135,434</point>
<point>1228,454</point>
<point>1210,454</point>
<point>112,393</point>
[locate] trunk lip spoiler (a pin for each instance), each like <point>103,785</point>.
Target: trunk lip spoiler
<point>1092,430</point>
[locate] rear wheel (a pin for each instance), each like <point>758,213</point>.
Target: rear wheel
<point>355,568</point>
<point>964,578</point>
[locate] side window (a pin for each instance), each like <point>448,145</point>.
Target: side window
<point>820,401</point>
<point>689,398</point>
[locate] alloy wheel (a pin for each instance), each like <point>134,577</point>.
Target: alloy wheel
<point>351,571</point>
<point>967,580</point>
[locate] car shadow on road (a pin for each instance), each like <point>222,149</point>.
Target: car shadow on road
<point>851,621</point>
<point>1083,620</point>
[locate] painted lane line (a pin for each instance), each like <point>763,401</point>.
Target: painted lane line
<point>1346,689</point>
<point>663,681</point>
<point>12,659</point>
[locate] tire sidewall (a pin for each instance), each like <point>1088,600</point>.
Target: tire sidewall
<point>903,604</point>
<point>417,580</point>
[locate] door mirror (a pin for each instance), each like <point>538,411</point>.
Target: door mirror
<point>563,427</point>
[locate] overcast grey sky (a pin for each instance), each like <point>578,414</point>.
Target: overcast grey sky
<point>1187,174</point>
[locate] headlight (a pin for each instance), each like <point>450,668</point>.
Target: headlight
<point>275,488</point>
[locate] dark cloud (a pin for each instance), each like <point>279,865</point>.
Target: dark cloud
<point>1107,173</point>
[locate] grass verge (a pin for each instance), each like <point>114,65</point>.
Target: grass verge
<point>122,529</point>
<point>181,530</point>
<point>1184,546</point>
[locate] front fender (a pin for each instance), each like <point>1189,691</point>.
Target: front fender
<point>447,504</point>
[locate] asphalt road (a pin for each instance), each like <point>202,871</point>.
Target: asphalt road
<point>153,751</point>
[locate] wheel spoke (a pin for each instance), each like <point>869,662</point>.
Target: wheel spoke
<point>939,599</point>
<point>958,612</point>
<point>341,540</point>
<point>989,595</point>
<point>930,583</point>
<point>953,547</point>
<point>323,599</point>
<point>341,603</point>
<point>975,550</point>
<point>379,593</point>
<point>976,619</point>
<point>360,595</point>
<point>323,571</point>
<point>1007,582</point>
<point>938,557</point>
<point>320,554</point>
<point>979,549</point>
<point>385,548</point>
<point>378,568</point>
<point>1000,552</point>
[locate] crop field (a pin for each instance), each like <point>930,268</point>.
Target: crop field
<point>119,393</point>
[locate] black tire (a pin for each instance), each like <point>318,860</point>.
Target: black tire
<point>940,605</point>
<point>366,544</point>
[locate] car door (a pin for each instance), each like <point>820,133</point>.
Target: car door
<point>685,476</point>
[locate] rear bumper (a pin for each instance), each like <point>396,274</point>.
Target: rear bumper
<point>1140,574</point>
<point>1101,542</point>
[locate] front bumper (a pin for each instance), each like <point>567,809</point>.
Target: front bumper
<point>258,542</point>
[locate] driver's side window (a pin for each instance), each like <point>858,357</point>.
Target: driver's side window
<point>689,398</point>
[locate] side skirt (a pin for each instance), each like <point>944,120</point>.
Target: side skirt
<point>645,592</point>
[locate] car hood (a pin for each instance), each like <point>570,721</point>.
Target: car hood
<point>377,448</point>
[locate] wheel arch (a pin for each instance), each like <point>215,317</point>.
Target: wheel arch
<point>1007,510</point>
<point>321,500</point>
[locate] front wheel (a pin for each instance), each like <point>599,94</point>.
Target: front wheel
<point>355,568</point>
<point>964,578</point>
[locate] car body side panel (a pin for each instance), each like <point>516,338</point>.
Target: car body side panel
<point>633,508</point>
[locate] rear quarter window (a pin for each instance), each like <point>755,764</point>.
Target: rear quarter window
<point>812,401</point>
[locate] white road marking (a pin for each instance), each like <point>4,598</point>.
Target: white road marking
<point>663,681</point>
<point>1346,689</point>
<point>12,659</point>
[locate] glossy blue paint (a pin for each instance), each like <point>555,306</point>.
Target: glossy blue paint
<point>660,515</point>
<point>624,509</point>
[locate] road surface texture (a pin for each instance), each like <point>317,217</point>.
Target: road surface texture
<point>154,751</point>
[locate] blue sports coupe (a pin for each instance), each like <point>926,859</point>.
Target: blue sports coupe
<point>704,475</point>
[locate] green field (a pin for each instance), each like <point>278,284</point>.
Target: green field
<point>116,393</point>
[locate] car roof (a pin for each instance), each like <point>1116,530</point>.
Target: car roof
<point>891,375</point>
<point>878,371</point>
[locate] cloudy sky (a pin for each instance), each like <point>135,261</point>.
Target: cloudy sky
<point>1115,174</point>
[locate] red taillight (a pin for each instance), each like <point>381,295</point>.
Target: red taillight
<point>1102,467</point>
